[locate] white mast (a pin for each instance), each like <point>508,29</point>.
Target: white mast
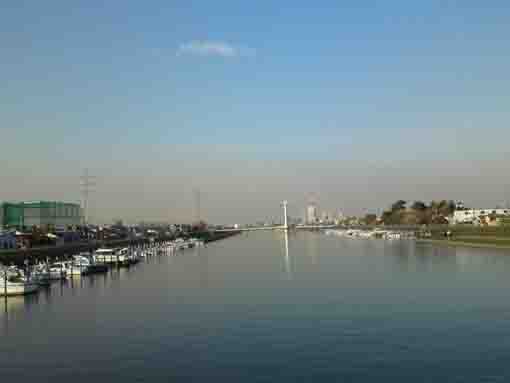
<point>285,224</point>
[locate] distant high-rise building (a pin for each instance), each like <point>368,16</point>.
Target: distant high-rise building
<point>339,217</point>
<point>311,213</point>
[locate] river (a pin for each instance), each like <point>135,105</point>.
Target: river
<point>263,307</point>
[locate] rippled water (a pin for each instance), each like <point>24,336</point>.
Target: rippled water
<point>246,310</point>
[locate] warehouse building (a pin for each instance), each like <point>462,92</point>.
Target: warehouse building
<point>39,213</point>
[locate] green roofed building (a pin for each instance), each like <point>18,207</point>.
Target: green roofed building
<point>39,213</point>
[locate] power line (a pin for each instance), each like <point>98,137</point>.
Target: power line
<point>196,200</point>
<point>87,182</point>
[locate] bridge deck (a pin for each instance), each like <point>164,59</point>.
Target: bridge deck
<point>278,228</point>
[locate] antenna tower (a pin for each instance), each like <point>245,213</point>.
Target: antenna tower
<point>87,182</point>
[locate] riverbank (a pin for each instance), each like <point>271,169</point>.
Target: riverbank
<point>217,236</point>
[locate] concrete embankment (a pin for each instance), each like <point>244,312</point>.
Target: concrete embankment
<point>216,236</point>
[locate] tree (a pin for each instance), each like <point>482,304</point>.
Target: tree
<point>199,227</point>
<point>451,207</point>
<point>370,219</point>
<point>118,222</point>
<point>439,220</point>
<point>399,205</point>
<point>409,217</point>
<point>443,209</point>
<point>425,216</point>
<point>390,217</point>
<point>419,206</point>
<point>386,217</point>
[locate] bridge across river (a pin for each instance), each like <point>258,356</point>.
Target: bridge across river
<point>280,227</point>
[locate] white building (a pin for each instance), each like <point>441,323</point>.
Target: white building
<point>473,215</point>
<point>311,213</point>
<point>326,217</point>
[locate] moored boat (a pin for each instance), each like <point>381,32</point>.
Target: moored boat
<point>117,256</point>
<point>17,288</point>
<point>84,265</point>
<point>14,283</point>
<point>93,267</point>
<point>52,272</point>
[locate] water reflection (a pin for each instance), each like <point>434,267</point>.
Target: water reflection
<point>10,306</point>
<point>14,306</point>
<point>288,269</point>
<point>203,262</point>
<point>311,247</point>
<point>75,283</point>
<point>377,256</point>
<point>469,259</point>
<point>75,286</point>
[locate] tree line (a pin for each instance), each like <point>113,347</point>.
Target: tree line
<point>419,213</point>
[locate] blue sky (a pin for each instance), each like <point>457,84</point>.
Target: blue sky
<point>259,101</point>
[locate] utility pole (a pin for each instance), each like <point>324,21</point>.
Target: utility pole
<point>196,200</point>
<point>87,182</point>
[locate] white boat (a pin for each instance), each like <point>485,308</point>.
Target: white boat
<point>197,242</point>
<point>12,284</point>
<point>133,257</point>
<point>41,277</point>
<point>62,268</point>
<point>57,273</point>
<point>73,269</point>
<point>17,288</point>
<point>82,265</point>
<point>119,256</point>
<point>393,235</point>
<point>53,272</point>
<point>365,234</point>
<point>78,266</point>
<point>87,262</point>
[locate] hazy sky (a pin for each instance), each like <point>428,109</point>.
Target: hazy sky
<point>360,102</point>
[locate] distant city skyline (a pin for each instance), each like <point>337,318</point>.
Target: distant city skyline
<point>362,103</point>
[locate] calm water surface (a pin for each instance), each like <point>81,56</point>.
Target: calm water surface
<point>247,310</point>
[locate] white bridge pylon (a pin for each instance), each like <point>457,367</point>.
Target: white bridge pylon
<point>285,223</point>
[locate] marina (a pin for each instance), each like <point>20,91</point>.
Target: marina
<point>16,281</point>
<point>378,233</point>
